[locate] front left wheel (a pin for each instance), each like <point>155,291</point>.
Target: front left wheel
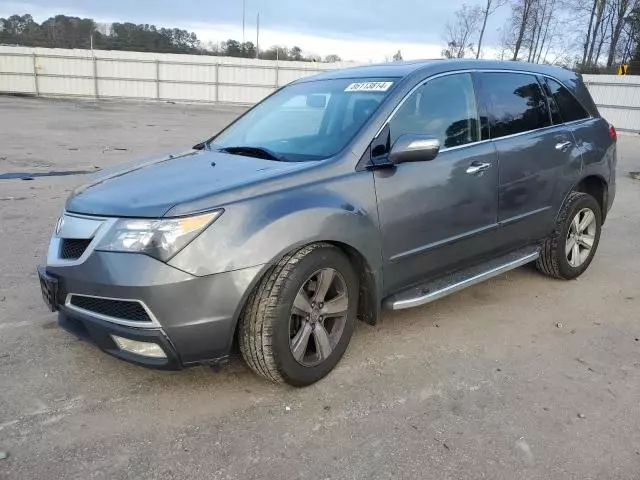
<point>299,319</point>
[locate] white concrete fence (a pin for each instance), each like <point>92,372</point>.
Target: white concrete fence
<point>618,99</point>
<point>145,76</point>
<point>197,78</point>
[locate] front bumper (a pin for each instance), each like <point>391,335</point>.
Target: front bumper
<point>99,332</point>
<point>194,317</point>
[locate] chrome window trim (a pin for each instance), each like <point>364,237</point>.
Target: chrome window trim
<point>506,137</point>
<point>129,323</point>
<point>484,70</point>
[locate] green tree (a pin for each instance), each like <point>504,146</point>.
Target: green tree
<point>68,32</point>
<point>296,54</point>
<point>232,48</point>
<point>20,30</point>
<point>275,53</point>
<point>63,31</point>
<point>248,50</point>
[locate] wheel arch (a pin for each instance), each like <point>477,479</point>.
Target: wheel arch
<point>368,296</point>
<point>598,188</point>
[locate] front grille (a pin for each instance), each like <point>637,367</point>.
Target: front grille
<point>121,309</point>
<point>73,248</point>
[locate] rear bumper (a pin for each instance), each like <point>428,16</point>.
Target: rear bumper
<point>611,194</point>
<point>194,318</point>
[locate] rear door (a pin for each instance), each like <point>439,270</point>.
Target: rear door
<point>533,155</point>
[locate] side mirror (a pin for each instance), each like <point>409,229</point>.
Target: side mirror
<point>414,148</point>
<point>316,101</point>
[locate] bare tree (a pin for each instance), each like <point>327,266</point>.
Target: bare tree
<point>461,30</point>
<point>559,59</point>
<point>604,35</point>
<point>620,10</point>
<point>573,33</point>
<point>532,31</point>
<point>548,20</point>
<point>523,14</point>
<point>541,19</point>
<point>597,29</point>
<point>589,33</point>
<point>489,9</point>
<point>603,26</point>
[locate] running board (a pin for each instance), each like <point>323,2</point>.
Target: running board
<point>441,287</point>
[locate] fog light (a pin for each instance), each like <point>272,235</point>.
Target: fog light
<point>145,349</point>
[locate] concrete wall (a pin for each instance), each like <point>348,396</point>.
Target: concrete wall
<point>618,99</point>
<point>146,76</point>
<point>197,78</point>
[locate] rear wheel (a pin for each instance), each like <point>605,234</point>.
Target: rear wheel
<point>299,319</point>
<point>569,250</point>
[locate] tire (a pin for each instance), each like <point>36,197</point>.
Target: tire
<point>554,259</point>
<point>272,323</point>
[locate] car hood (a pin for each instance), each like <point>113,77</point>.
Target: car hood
<point>150,188</point>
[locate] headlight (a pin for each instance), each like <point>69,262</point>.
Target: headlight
<point>158,238</point>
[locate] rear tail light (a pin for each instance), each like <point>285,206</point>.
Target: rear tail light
<point>612,133</point>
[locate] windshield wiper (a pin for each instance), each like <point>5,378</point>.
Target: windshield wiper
<point>258,152</point>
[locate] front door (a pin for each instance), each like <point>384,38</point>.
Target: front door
<point>437,215</point>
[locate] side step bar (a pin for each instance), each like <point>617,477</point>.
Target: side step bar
<point>441,287</point>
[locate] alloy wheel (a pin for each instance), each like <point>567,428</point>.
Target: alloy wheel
<point>581,237</point>
<point>318,317</point>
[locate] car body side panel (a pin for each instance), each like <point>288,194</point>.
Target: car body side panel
<point>262,230</point>
<point>596,146</point>
<point>435,216</point>
<point>533,177</point>
<point>593,139</point>
<point>598,159</point>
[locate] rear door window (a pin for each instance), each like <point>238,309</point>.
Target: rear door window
<point>515,103</point>
<point>569,107</point>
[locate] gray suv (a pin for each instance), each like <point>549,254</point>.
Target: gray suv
<point>376,187</point>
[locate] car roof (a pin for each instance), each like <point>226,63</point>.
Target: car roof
<point>432,67</point>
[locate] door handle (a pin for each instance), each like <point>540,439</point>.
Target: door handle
<point>476,168</point>
<point>563,146</point>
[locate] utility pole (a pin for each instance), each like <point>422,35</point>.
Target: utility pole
<point>93,55</point>
<point>258,36</point>
<point>244,15</point>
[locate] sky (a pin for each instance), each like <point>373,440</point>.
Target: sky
<point>358,30</point>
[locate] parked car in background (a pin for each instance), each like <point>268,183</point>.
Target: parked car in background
<point>370,188</point>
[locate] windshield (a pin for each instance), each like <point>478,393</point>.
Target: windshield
<point>305,121</point>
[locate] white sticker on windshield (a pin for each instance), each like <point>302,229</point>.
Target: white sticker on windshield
<point>369,87</point>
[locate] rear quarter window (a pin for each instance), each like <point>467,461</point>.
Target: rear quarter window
<point>570,109</point>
